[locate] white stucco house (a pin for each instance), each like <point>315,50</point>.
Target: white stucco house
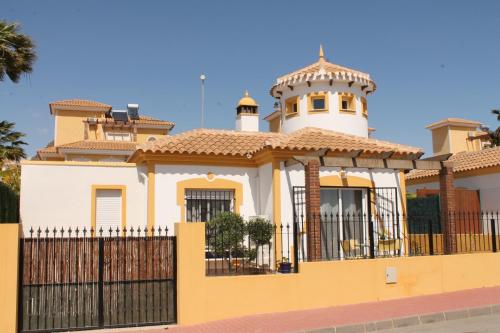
<point>321,114</point>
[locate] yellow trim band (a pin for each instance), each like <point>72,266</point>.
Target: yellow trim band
<point>351,181</point>
<point>277,205</point>
<point>151,196</point>
<point>75,163</point>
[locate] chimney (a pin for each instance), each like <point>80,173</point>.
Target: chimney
<point>247,114</point>
<point>455,135</point>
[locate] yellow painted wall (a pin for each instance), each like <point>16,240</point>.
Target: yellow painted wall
<point>440,141</point>
<point>318,284</point>
<point>460,139</point>
<point>69,126</point>
<point>144,133</point>
<point>274,125</point>
<point>9,249</point>
<point>454,139</point>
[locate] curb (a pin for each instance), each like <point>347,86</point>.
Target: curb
<point>410,321</point>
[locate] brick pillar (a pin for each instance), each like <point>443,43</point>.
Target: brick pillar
<point>313,210</point>
<point>448,207</point>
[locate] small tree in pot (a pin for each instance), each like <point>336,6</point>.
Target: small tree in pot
<point>225,234</point>
<point>260,232</point>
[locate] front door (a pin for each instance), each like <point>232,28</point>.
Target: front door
<point>343,223</point>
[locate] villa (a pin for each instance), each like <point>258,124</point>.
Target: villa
<point>112,212</point>
<point>111,168</point>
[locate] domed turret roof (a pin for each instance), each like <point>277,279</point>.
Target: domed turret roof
<point>247,100</point>
<point>324,70</point>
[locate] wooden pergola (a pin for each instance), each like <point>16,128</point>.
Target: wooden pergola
<point>313,161</point>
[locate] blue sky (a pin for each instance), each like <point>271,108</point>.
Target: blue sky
<point>430,59</point>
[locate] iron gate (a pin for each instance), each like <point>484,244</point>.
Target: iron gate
<point>73,280</point>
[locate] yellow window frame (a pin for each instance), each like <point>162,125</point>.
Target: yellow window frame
<point>350,100</point>
<point>364,107</point>
<point>123,189</point>
<point>314,96</point>
<point>289,102</point>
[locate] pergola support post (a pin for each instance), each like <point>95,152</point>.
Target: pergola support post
<point>313,220</point>
<point>448,207</point>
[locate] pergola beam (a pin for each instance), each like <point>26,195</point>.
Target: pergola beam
<point>369,163</point>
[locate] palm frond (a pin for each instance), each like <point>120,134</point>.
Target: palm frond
<point>17,52</point>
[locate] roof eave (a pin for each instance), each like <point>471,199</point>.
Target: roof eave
<point>55,107</point>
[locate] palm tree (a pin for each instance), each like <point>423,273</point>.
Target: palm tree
<point>10,143</point>
<point>497,113</point>
<point>495,135</point>
<point>17,52</point>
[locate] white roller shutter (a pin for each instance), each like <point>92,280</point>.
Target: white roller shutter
<point>108,210</point>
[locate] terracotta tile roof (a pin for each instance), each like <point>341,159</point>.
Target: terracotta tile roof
<point>143,120</point>
<point>146,120</point>
<point>453,121</point>
<point>210,141</point>
<point>328,67</point>
<point>465,161</point>
<point>323,70</point>
<point>310,138</point>
<point>80,102</point>
<point>224,142</point>
<point>49,150</point>
<point>100,145</point>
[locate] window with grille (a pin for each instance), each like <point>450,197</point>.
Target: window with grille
<point>204,205</point>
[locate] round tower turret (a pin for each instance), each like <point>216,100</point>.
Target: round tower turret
<point>324,95</point>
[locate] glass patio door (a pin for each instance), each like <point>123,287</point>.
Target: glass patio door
<point>343,223</point>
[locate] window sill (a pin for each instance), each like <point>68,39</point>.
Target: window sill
<point>349,111</point>
<point>317,111</point>
<point>290,115</point>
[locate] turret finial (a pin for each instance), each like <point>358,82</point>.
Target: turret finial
<point>321,54</point>
<point>246,93</point>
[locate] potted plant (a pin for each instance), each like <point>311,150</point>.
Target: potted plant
<point>260,233</point>
<point>285,266</point>
<point>226,234</point>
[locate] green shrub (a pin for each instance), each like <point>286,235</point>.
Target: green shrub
<point>226,233</point>
<point>260,231</point>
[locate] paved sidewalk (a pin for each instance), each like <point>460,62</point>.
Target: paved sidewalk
<point>487,324</point>
<point>307,320</point>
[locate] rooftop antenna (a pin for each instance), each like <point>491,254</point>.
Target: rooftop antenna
<point>202,78</point>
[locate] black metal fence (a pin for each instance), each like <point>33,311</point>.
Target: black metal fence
<point>363,236</point>
<point>473,232</point>
<point>81,279</point>
<point>248,251</point>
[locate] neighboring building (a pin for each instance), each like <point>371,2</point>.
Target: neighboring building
<point>476,165</point>
<point>321,121</point>
<point>92,131</point>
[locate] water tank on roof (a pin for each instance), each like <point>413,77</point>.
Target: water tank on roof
<point>133,111</point>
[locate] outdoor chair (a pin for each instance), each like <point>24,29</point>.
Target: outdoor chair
<point>352,249</point>
<point>386,246</point>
